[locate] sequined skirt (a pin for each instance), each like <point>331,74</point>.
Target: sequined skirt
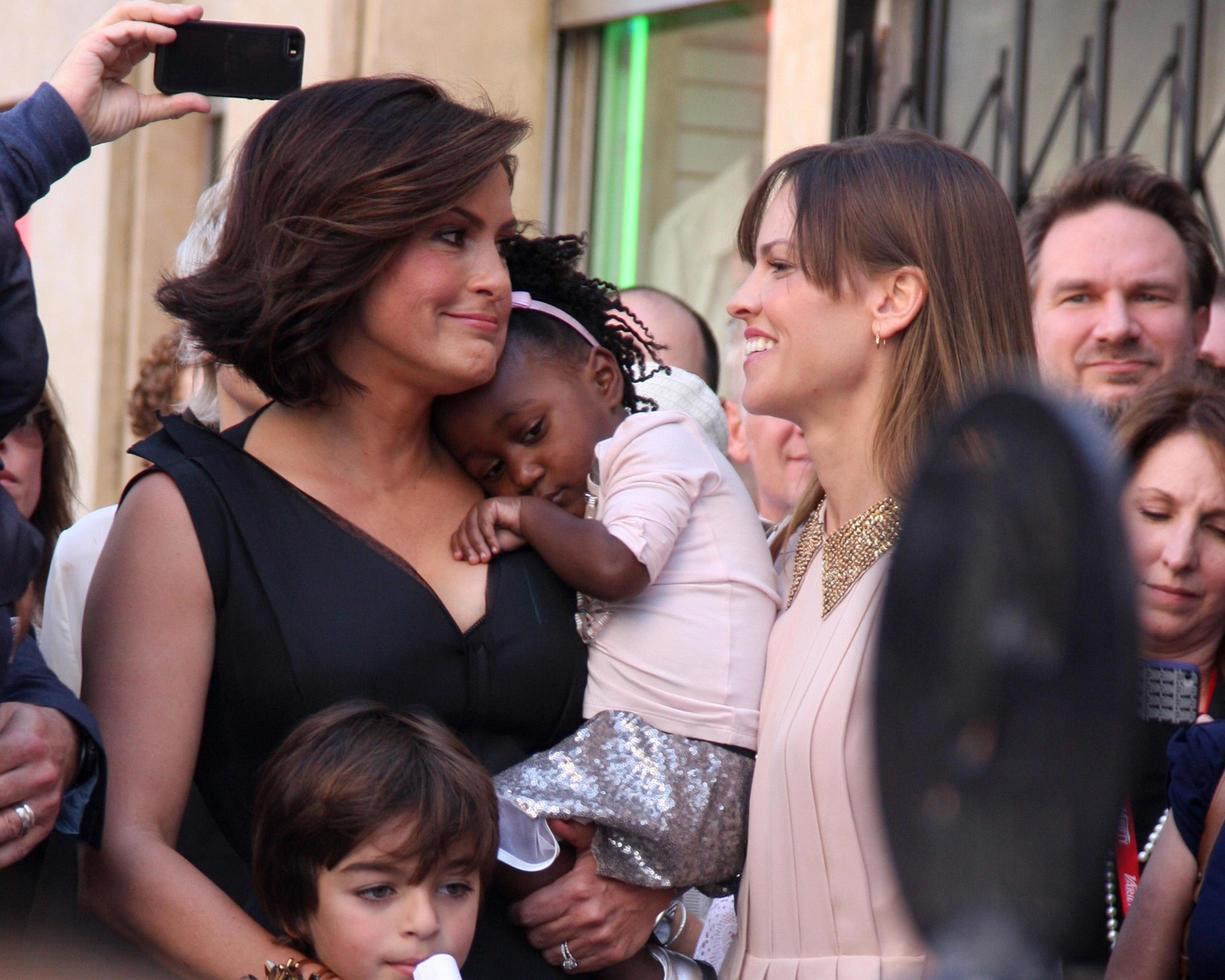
<point>669,811</point>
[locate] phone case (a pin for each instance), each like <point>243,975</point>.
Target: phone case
<point>1169,693</point>
<point>244,61</point>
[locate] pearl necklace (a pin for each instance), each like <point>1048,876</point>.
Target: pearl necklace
<point>1112,887</point>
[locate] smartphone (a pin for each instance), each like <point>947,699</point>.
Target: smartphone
<point>242,61</point>
<point>1169,692</point>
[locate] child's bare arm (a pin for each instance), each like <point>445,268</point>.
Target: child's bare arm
<point>582,552</point>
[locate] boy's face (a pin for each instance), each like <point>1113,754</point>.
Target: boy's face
<point>373,923</point>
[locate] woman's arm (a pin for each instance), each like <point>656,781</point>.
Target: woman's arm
<point>148,654</point>
<point>1150,942</point>
<point>584,554</point>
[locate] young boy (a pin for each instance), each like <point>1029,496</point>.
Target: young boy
<point>375,833</point>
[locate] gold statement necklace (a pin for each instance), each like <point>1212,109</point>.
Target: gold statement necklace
<point>847,553</point>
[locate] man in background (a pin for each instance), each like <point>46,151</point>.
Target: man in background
<point>1121,276</point>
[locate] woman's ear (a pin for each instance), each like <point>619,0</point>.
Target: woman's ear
<point>605,374</point>
<point>897,298</point>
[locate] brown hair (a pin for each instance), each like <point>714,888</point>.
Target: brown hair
<point>1170,406</point>
<point>876,203</point>
<point>329,185</point>
<point>54,511</point>
<point>155,384</point>
<point>344,774</point>
<point>1131,180</point>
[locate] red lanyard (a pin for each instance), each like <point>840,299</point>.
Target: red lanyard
<point>1126,850</point>
<point>1126,858</point>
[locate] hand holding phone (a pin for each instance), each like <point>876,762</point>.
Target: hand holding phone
<point>90,78</point>
<point>244,61</point>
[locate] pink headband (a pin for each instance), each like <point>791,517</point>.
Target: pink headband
<point>524,301</point>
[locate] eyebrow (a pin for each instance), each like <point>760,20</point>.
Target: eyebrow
<point>1083,285</point>
<point>764,247</point>
<point>512,411</point>
<point>369,867</point>
<point>510,224</point>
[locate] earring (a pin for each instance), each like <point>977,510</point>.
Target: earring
<point>879,343</point>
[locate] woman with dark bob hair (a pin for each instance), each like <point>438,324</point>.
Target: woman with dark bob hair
<point>301,557</point>
<point>887,285</point>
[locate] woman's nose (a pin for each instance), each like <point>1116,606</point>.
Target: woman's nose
<point>1179,553</point>
<point>744,303</point>
<point>489,275</point>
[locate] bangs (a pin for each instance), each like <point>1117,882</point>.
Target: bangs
<point>443,828</point>
<point>827,197</point>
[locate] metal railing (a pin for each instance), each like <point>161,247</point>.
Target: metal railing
<point>1015,156</point>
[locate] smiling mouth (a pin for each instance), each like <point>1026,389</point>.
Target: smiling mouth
<point>755,345</point>
<point>482,321</point>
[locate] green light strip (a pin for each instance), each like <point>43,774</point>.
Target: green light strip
<point>635,130</point>
<point>605,224</point>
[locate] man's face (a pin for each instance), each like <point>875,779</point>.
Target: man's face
<point>1112,305</point>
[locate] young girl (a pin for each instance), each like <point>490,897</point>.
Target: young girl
<point>374,834</point>
<point>677,587</point>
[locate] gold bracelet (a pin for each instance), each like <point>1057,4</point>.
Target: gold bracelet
<point>291,969</point>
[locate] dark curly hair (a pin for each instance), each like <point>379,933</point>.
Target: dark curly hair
<point>547,267</point>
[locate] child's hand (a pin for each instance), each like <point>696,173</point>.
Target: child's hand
<point>490,528</point>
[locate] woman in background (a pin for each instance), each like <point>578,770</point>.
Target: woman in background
<point>1174,508</point>
<point>40,474</point>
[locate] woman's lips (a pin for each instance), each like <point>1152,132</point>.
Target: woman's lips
<point>1172,595</point>
<point>485,322</point>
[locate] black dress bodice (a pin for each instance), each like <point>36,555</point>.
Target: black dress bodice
<point>311,610</point>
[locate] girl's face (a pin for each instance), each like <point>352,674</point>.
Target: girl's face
<point>374,921</point>
<point>435,317</point>
<point>22,452</point>
<point>803,346</point>
<point>1175,516</point>
<point>534,428</point>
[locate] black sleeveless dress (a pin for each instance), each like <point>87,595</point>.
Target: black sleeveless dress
<point>311,610</point>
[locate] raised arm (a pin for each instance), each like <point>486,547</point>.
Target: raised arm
<point>148,655</point>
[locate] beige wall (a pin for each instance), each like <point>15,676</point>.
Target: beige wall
<point>800,93</point>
